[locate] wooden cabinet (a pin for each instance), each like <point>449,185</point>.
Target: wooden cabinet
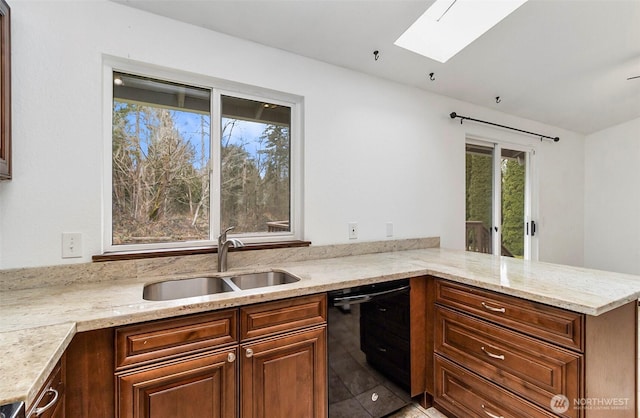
<point>178,367</point>
<point>50,399</point>
<point>285,376</point>
<point>466,394</point>
<point>497,355</point>
<point>148,342</point>
<point>201,386</point>
<point>193,366</point>
<point>283,358</point>
<point>552,324</point>
<point>528,367</point>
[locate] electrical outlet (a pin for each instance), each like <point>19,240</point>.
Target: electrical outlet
<point>71,245</point>
<point>353,230</point>
<point>389,229</point>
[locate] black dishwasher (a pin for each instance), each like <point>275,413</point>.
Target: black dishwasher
<point>369,355</point>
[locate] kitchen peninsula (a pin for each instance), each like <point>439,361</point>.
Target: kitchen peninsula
<point>39,321</point>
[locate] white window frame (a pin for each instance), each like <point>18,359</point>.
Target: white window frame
<point>530,192</point>
<point>218,88</point>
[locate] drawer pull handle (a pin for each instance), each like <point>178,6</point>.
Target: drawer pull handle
<point>231,357</point>
<point>382,309</point>
<point>249,353</point>
<point>491,308</point>
<point>41,410</point>
<point>382,349</point>
<point>484,409</point>
<point>490,354</point>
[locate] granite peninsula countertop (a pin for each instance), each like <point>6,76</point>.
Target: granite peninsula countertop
<point>37,324</point>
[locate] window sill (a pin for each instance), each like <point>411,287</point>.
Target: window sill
<point>137,255</point>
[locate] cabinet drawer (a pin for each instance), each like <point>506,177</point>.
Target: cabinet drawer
<point>143,343</point>
<point>464,394</point>
<point>50,398</point>
<point>536,319</point>
<point>272,318</point>
<point>531,368</point>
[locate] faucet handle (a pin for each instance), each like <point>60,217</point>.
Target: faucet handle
<point>236,243</point>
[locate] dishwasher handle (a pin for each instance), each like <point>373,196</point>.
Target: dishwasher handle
<point>366,297</point>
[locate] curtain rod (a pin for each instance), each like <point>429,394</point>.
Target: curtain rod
<point>454,115</point>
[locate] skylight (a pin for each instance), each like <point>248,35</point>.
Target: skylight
<point>448,26</point>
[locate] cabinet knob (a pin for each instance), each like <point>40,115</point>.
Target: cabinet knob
<point>248,353</point>
<point>231,357</point>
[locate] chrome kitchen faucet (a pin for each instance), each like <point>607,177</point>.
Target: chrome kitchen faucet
<point>223,248</point>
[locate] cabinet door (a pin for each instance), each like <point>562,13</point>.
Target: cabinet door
<point>201,386</point>
<point>286,376</point>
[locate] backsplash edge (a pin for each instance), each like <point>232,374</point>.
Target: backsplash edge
<point>68,274</point>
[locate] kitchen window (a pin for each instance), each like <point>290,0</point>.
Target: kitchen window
<point>190,156</point>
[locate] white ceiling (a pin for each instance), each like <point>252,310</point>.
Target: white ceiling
<point>561,62</point>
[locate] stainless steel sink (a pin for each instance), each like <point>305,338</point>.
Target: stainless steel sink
<point>200,286</point>
<point>262,279</point>
<point>186,288</point>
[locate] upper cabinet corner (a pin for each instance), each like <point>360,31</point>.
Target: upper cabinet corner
<point>5,91</point>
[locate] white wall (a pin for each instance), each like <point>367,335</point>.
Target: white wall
<point>612,199</point>
<point>375,151</point>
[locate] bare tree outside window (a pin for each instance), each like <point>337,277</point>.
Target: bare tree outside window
<point>160,162</point>
<point>255,185</point>
<point>161,165</point>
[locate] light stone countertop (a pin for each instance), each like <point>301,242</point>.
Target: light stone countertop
<point>37,324</point>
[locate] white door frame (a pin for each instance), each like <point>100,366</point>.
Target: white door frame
<point>530,194</point>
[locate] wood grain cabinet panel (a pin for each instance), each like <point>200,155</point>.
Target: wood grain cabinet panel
<point>271,318</point>
<point>555,325</point>
<point>202,386</point>
<point>515,357</point>
<point>533,369</point>
<point>285,376</point>
<point>463,394</point>
<point>51,397</point>
<point>151,341</point>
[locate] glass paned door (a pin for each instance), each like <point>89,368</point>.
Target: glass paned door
<point>479,198</point>
<point>513,183</point>
<point>498,200</point>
